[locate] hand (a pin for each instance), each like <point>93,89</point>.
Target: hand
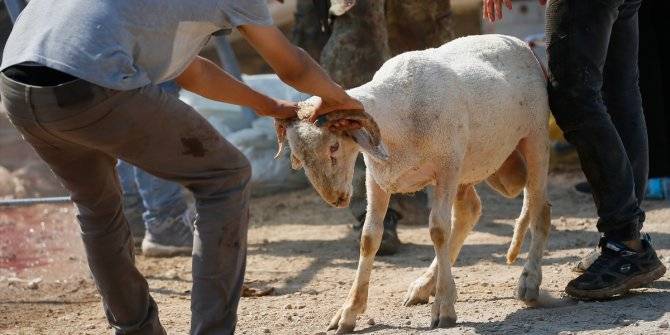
<point>492,9</point>
<point>327,106</point>
<point>280,109</point>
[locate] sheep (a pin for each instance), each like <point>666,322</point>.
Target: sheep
<point>471,110</point>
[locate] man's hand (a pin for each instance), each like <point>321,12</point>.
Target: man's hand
<point>280,109</point>
<point>326,106</point>
<point>492,9</point>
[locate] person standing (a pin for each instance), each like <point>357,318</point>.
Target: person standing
<point>592,49</point>
<point>79,81</point>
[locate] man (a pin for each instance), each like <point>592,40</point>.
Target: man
<point>592,48</point>
<point>79,82</point>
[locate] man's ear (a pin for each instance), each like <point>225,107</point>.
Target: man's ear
<point>365,141</point>
<point>296,164</point>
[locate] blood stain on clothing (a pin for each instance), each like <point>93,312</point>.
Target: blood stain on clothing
<point>193,147</point>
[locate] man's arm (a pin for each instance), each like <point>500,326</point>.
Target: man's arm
<point>210,81</point>
<point>296,68</point>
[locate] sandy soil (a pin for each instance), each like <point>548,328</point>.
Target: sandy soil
<point>307,253</point>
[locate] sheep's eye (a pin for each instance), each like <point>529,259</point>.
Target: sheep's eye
<point>334,147</point>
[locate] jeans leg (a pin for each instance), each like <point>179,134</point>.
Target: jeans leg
<point>90,177</point>
<point>622,93</point>
<point>162,199</point>
<point>133,206</point>
<point>578,34</point>
<point>127,178</point>
<point>168,139</point>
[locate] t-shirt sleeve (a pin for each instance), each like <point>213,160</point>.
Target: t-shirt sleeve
<point>239,12</point>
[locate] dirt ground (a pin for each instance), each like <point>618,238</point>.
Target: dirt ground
<point>306,251</point>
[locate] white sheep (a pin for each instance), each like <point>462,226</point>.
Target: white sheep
<point>473,109</point>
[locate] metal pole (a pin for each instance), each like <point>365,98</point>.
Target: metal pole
<point>14,8</point>
<point>34,201</point>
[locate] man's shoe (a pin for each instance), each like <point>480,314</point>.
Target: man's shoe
<point>172,237</point>
<point>390,242</point>
<point>617,270</point>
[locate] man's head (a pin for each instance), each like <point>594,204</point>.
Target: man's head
<point>327,150</point>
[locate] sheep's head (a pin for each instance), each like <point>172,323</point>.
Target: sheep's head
<point>328,154</point>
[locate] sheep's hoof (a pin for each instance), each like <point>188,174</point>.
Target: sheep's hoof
<point>446,322</point>
<point>418,292</point>
<point>340,323</point>
<point>529,287</point>
<point>443,314</point>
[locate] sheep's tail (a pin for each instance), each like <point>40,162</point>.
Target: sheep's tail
<point>520,228</point>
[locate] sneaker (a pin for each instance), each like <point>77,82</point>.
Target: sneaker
<point>390,242</point>
<point>617,270</point>
<point>132,211</point>
<point>172,237</point>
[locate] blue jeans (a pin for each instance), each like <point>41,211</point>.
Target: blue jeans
<point>161,199</point>
<point>594,95</point>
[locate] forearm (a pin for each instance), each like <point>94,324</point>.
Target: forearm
<point>210,81</point>
<point>311,78</point>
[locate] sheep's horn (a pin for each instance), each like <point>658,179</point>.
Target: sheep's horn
<point>359,115</point>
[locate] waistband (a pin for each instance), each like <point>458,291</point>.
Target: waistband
<point>52,103</point>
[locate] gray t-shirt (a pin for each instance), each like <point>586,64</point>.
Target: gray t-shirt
<point>123,44</point>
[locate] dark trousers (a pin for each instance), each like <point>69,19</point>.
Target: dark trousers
<point>595,98</point>
<point>81,130</point>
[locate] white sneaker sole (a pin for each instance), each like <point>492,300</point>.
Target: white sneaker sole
<point>151,249</point>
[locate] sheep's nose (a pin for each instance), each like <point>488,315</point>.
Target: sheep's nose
<point>341,200</point>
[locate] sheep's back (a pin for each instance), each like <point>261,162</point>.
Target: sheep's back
<point>476,96</point>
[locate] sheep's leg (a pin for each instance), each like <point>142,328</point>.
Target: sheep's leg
<point>443,313</point>
<point>536,211</point>
<point>465,213</point>
<point>378,200</point>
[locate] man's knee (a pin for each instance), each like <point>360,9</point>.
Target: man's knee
<point>577,105</point>
<point>233,179</point>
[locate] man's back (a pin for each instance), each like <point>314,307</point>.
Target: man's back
<point>122,44</point>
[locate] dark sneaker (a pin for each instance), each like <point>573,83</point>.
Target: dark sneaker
<point>133,210</point>
<point>172,237</point>
<point>390,242</point>
<point>617,270</point>
<point>587,260</point>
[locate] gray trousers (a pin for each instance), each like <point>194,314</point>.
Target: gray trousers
<point>81,129</point>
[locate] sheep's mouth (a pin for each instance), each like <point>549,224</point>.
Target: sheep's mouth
<point>342,201</point>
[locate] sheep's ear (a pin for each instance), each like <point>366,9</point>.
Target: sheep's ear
<point>365,141</point>
<point>296,164</point>
<point>364,130</point>
<point>280,129</point>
